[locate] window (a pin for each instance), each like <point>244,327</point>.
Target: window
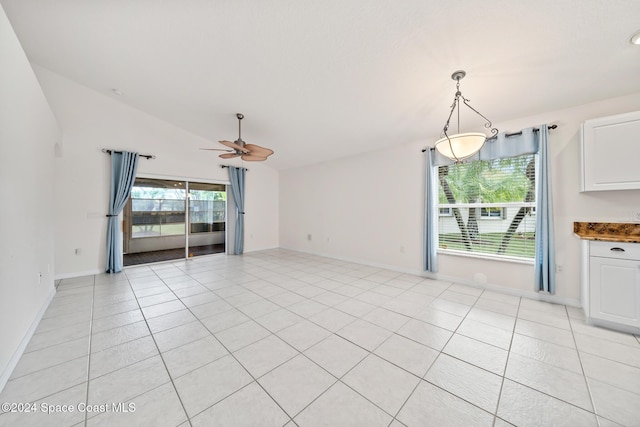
<point>492,205</point>
<point>493,213</point>
<point>207,207</point>
<point>157,208</point>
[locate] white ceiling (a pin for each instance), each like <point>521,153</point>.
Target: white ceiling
<point>318,80</point>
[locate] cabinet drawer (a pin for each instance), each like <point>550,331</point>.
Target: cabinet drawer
<point>615,250</point>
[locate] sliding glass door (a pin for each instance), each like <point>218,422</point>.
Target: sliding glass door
<point>157,227</point>
<point>207,215</point>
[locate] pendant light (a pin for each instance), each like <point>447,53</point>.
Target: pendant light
<point>461,146</point>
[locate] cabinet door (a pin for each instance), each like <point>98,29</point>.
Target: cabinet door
<point>610,153</point>
<point>615,290</point>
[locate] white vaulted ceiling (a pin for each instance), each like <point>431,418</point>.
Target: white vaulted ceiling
<point>318,80</point>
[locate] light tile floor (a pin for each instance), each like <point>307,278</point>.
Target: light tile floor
<point>280,338</point>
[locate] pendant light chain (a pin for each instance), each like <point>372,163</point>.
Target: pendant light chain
<point>457,101</point>
<point>462,145</point>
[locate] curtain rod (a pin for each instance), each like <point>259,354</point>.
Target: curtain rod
<point>506,134</point>
<point>146,156</point>
<point>227,166</point>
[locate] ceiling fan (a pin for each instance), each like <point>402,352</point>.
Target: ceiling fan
<point>248,152</point>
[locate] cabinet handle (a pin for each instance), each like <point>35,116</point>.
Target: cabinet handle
<point>617,249</point>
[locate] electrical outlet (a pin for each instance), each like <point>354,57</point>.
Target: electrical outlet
<point>635,215</point>
<point>309,237</point>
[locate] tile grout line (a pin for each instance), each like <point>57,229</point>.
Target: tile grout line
<point>339,379</point>
<point>584,375</point>
<point>51,330</point>
<point>251,318</point>
<point>160,352</point>
<point>299,352</point>
<point>546,393</point>
<point>601,356</point>
<point>573,332</point>
<point>506,364</point>
<point>49,367</point>
<point>254,379</point>
<point>300,262</point>
<point>394,417</point>
<point>93,300</point>
<point>395,333</point>
<point>225,347</point>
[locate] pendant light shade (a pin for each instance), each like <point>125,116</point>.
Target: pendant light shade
<point>461,146</point>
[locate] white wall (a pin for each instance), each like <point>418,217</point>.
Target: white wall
<point>366,208</point>
<point>369,208</point>
<point>91,121</point>
<point>28,133</point>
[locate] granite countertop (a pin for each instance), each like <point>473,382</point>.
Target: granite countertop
<point>608,231</point>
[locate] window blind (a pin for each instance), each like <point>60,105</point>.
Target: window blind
<point>488,207</point>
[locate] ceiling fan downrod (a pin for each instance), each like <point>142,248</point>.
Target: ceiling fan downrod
<point>240,116</point>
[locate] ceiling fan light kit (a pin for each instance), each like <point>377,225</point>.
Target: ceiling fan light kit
<point>238,148</point>
<point>461,146</point>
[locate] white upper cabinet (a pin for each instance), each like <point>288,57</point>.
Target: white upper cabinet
<point>610,151</point>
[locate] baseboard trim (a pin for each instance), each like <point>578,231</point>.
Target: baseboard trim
<point>540,296</point>
<point>613,325</point>
<point>99,271</point>
<point>78,274</point>
<point>248,251</point>
<point>8,370</point>
<point>490,287</point>
<point>360,261</point>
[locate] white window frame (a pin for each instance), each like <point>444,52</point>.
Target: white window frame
<point>504,206</point>
<point>447,211</point>
<point>485,215</point>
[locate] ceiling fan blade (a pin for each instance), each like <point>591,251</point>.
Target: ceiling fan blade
<point>217,149</point>
<point>258,150</point>
<point>228,155</point>
<point>234,146</point>
<point>253,158</point>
